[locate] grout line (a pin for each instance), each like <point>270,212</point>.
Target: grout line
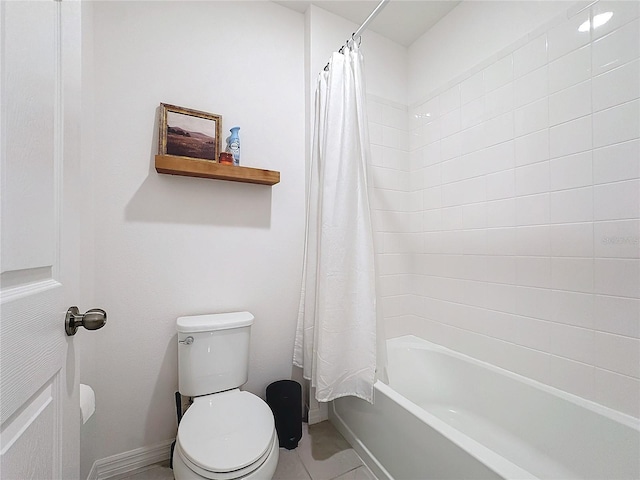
<point>344,473</point>
<point>594,244</point>
<point>297,450</point>
<point>303,465</point>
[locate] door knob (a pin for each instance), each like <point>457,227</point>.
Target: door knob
<point>92,320</point>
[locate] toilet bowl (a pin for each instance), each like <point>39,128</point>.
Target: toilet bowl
<point>226,436</point>
<point>226,433</point>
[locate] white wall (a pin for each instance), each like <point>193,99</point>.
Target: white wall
<point>165,246</point>
<point>468,35</point>
<point>85,342</point>
<point>527,165</point>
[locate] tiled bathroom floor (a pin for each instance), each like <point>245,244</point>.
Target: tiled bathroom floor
<point>322,454</point>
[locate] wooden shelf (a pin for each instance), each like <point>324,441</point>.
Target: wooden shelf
<point>194,167</point>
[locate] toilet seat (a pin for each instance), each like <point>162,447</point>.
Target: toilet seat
<point>226,435</point>
<point>257,471</point>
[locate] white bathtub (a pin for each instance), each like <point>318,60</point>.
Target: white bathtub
<point>448,416</point>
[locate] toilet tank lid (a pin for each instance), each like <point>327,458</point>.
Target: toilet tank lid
<point>213,321</point>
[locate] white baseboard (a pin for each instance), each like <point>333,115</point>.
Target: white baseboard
<point>93,473</point>
<point>318,414</point>
<point>129,461</point>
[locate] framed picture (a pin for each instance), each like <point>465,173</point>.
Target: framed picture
<point>189,133</point>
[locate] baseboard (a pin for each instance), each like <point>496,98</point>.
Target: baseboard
<point>319,414</point>
<point>93,473</point>
<point>365,454</point>
<point>125,462</point>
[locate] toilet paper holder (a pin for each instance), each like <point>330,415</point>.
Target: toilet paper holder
<point>91,320</point>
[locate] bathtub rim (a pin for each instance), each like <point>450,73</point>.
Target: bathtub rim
<point>483,454</point>
<point>414,341</point>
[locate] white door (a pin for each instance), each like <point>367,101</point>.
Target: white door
<point>39,149</point>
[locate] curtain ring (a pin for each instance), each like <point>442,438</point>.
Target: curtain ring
<point>353,39</point>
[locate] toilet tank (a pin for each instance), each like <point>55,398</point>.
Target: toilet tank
<point>213,352</point>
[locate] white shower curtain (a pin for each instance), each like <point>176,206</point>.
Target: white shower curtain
<point>335,341</point>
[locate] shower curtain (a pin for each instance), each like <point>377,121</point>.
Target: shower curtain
<point>335,341</point>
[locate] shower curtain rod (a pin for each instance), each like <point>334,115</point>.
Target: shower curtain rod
<point>364,25</point>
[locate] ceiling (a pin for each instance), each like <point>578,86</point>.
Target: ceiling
<point>402,21</point>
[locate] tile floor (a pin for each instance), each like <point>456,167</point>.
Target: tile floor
<point>322,454</point>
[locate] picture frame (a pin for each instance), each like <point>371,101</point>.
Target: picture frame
<point>189,133</point>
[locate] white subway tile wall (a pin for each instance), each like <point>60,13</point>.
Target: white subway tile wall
<point>397,209</point>
<point>507,209</point>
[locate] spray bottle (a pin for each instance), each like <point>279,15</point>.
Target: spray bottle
<point>233,145</point>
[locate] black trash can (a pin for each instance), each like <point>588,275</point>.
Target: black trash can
<point>285,399</point>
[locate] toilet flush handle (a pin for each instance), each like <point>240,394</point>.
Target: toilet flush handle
<point>187,341</point>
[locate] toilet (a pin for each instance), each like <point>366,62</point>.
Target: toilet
<point>225,434</point>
